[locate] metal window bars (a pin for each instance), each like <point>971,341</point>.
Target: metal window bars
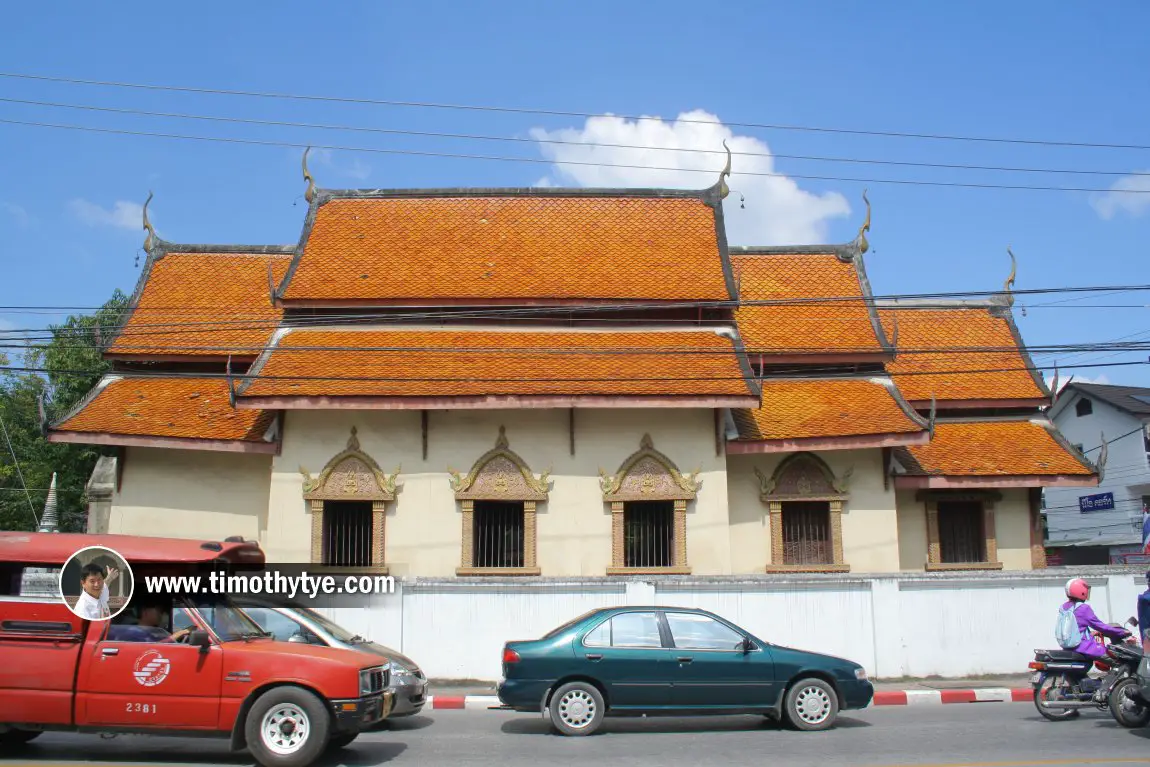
<point>961,532</point>
<point>498,535</point>
<point>347,533</point>
<point>649,534</point>
<point>807,533</point>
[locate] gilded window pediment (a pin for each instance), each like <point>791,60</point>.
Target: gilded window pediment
<point>804,477</point>
<point>351,475</point>
<point>648,475</point>
<point>500,474</point>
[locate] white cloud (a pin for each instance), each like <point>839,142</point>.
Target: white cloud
<point>777,210</point>
<point>1129,194</point>
<point>124,215</point>
<point>18,212</point>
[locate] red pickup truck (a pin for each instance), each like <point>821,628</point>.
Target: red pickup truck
<point>286,703</point>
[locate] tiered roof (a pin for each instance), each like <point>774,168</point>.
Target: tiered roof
<point>546,245</point>
<point>671,317</point>
<point>480,366</point>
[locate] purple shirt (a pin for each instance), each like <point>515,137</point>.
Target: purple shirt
<point>1088,621</point>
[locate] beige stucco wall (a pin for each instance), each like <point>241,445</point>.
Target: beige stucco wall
<point>423,525</point>
<point>870,528</point>
<point>191,494</point>
<point>1011,521</point>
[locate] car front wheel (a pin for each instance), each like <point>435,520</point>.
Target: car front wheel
<point>287,727</point>
<point>577,708</point>
<point>811,704</point>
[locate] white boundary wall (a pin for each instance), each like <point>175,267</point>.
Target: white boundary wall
<point>904,625</point>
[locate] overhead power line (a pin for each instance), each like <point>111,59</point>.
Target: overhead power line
<point>802,373</point>
<point>564,113</point>
<point>521,140</point>
<point>541,161</point>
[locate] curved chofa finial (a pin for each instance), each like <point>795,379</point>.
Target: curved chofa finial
<point>724,190</point>
<point>1008,286</point>
<point>308,195</point>
<point>150,241</point>
<point>861,240</point>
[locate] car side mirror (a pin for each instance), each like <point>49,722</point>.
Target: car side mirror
<point>746,645</point>
<point>298,638</point>
<point>200,639</point>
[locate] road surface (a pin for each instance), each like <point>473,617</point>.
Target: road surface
<point>982,735</point>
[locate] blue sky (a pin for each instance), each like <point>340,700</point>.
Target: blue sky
<point>69,226</point>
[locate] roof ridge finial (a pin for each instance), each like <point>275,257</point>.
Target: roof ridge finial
<point>150,241</point>
<point>861,239</point>
<point>724,190</point>
<point>1008,286</point>
<point>309,194</point>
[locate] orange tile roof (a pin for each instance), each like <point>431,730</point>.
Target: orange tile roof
<point>182,408</point>
<point>527,246</point>
<point>989,449</point>
<point>805,409</point>
<point>204,305</point>
<point>837,327</point>
<point>462,363</point>
<point>946,373</point>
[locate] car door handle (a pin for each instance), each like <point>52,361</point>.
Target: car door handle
<point>111,651</point>
<point>591,656</point>
<point>685,659</point>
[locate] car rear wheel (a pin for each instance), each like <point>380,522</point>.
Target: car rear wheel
<point>287,727</point>
<point>577,708</point>
<point>811,704</point>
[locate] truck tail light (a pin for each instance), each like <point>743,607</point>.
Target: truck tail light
<point>510,656</point>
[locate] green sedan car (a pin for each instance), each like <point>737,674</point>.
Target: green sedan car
<point>679,661</point>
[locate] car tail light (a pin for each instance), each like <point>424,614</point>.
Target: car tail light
<point>1038,666</point>
<point>510,656</point>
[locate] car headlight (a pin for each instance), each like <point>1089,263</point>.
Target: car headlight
<point>860,674</point>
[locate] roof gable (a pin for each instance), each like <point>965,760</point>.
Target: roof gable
<point>1134,400</point>
<point>428,247</point>
<point>795,322</point>
<point>942,353</point>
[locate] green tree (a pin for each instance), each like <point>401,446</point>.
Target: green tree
<point>72,362</point>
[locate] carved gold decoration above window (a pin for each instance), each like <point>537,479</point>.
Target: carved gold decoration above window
<point>648,475</point>
<point>500,475</point>
<point>350,476</point>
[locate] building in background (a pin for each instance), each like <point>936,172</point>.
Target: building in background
<point>1103,525</point>
<point>566,382</point>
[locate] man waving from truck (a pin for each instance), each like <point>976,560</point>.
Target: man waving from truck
<point>93,601</point>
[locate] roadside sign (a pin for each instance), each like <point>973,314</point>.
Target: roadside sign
<point>1099,502</point>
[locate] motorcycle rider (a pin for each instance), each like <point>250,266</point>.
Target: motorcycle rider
<point>1143,623</point>
<point>1077,594</point>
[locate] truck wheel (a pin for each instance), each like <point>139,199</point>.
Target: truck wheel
<point>811,705</point>
<point>343,740</point>
<point>18,737</point>
<point>287,727</point>
<point>577,708</point>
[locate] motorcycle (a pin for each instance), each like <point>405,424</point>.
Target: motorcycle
<point>1063,685</point>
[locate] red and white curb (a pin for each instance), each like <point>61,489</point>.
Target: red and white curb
<point>939,697</point>
<point>881,698</point>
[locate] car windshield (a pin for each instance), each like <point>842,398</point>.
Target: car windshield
<point>337,631</point>
<point>228,621</point>
<point>560,629</point>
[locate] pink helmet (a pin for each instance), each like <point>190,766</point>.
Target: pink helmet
<point>1076,588</point>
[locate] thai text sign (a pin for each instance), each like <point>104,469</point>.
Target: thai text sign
<point>1099,502</point>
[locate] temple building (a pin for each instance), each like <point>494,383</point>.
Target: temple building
<point>566,382</point>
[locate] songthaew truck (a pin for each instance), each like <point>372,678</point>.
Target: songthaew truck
<point>220,676</point>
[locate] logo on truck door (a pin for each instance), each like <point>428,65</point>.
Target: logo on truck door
<point>151,668</point>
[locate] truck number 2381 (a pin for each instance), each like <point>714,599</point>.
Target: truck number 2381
<point>140,708</point>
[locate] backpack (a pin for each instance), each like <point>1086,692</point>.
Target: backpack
<point>1066,629</point>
